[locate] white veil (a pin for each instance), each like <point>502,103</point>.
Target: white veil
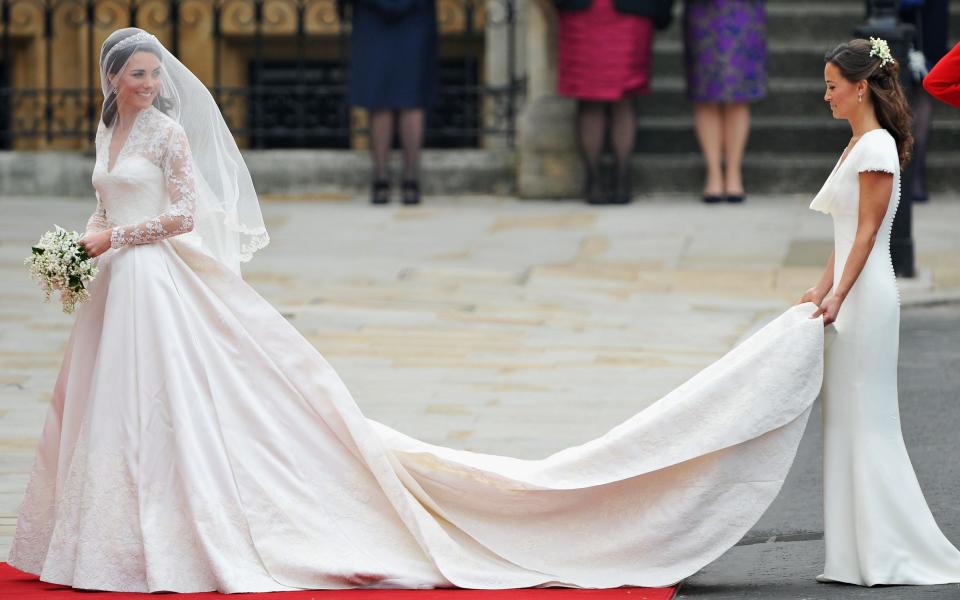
<point>227,218</point>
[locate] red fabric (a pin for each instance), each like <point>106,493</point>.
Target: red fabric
<point>603,54</point>
<point>17,585</point>
<point>943,80</point>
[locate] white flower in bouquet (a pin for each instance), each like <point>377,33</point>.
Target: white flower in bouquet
<point>60,263</point>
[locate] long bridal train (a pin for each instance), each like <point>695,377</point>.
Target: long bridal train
<point>197,442</point>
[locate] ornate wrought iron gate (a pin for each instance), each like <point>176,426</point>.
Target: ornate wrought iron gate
<point>276,67</point>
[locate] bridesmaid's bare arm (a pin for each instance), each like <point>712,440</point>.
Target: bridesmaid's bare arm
<point>875,189</point>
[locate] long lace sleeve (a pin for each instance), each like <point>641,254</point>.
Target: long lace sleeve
<point>177,165</point>
<point>98,220</point>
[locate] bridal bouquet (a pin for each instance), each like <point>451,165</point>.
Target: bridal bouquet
<point>58,262</point>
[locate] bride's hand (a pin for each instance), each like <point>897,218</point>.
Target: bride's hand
<point>829,308</point>
<point>812,295</point>
<point>97,243</point>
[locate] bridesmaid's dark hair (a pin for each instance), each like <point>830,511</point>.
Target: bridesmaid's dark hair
<point>109,114</point>
<point>890,104</point>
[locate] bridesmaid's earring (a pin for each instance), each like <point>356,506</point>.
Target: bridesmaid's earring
<point>860,97</point>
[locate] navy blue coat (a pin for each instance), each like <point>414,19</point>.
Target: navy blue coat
<point>393,54</point>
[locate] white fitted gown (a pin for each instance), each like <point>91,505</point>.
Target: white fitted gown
<point>877,526</point>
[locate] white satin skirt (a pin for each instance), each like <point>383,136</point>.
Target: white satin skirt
<point>195,441</point>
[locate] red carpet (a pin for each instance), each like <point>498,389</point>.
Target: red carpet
<point>18,585</point>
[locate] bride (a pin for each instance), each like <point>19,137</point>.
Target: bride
<point>195,441</point>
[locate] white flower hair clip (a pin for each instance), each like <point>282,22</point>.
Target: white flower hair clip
<point>880,49</point>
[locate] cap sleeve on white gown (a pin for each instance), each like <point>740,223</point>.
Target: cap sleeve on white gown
<point>878,154</point>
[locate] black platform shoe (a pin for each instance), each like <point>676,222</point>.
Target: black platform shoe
<point>594,193</point>
<point>622,188</point>
<point>380,194</point>
<point>411,192</point>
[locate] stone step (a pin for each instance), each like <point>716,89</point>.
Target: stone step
<point>786,97</point>
<point>830,22</point>
<point>335,174</point>
<point>803,60</point>
<point>785,59</point>
<point>675,135</point>
<point>325,173</point>
<point>769,173</point>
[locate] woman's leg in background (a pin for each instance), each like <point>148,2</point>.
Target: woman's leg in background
<point>381,135</point>
<point>591,126</point>
<point>623,134</point>
<point>708,120</point>
<point>411,139</point>
<point>736,129</point>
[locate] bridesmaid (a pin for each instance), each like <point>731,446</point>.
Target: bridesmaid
<point>877,526</point>
<point>394,75</point>
<point>726,57</point>
<point>604,51</point>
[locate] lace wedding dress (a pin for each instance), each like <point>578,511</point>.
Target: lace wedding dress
<point>195,441</point>
<point>877,526</point>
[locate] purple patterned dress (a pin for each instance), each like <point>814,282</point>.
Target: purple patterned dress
<point>725,50</point>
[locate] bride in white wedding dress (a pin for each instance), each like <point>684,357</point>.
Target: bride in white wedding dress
<point>195,441</point>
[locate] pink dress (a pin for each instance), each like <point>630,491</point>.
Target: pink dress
<point>603,54</point>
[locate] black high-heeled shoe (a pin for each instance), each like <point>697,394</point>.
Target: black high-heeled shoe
<point>380,193</point>
<point>736,198</point>
<point>411,192</point>
<point>594,192</point>
<point>622,188</point>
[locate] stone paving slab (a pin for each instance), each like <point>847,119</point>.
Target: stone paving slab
<point>484,323</point>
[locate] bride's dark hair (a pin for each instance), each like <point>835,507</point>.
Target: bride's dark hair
<point>889,102</point>
<point>117,62</point>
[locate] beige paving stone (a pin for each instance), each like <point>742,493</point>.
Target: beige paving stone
<point>570,220</point>
<point>485,323</point>
<point>808,253</point>
<point>793,281</point>
<point>750,282</point>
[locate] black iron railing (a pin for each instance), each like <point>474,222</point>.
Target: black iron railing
<point>278,68</point>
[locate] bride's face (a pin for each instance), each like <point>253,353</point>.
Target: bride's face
<point>139,82</point>
<point>841,94</point>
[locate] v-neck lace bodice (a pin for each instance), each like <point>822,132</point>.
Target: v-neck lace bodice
<point>150,193</point>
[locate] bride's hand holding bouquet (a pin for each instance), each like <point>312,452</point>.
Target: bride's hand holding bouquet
<point>96,243</point>
<point>60,262</point>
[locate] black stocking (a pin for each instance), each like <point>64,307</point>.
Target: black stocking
<point>411,138</point>
<point>623,133</point>
<point>591,123</point>
<point>381,135</point>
